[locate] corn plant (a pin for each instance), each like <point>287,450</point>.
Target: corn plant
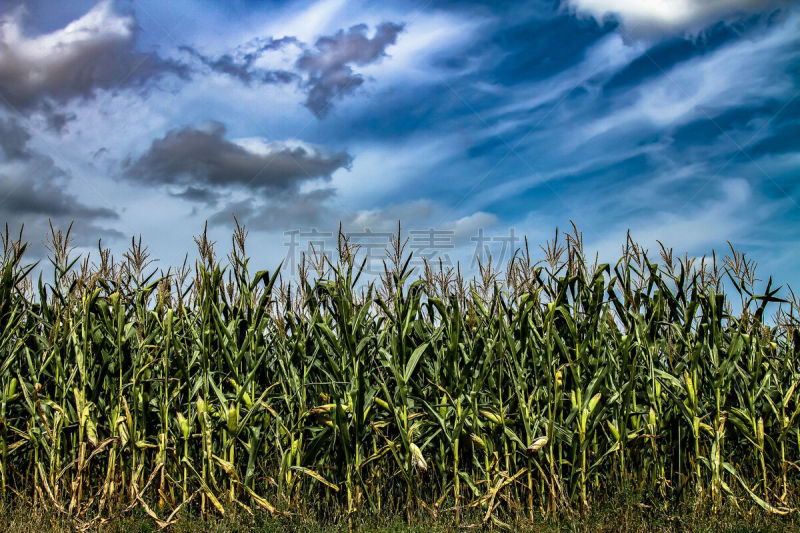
<point>213,386</point>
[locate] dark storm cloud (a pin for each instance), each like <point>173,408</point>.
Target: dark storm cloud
<point>198,195</point>
<point>33,190</point>
<point>329,64</point>
<point>57,121</point>
<point>241,66</point>
<point>14,140</point>
<point>93,52</point>
<point>24,195</point>
<point>201,157</point>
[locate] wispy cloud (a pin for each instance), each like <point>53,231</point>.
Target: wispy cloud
<point>242,65</point>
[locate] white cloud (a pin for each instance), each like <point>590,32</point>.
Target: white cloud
<point>466,227</point>
<point>420,214</point>
<point>658,17</point>
<point>414,215</point>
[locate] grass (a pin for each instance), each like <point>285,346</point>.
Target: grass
<point>522,398</point>
<point>617,517</point>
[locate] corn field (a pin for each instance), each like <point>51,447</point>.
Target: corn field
<point>535,389</point>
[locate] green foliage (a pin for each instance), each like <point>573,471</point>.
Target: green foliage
<point>532,395</point>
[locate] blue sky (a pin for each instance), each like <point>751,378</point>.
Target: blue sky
<point>678,120</point>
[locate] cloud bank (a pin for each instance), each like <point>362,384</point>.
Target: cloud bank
<point>34,189</point>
